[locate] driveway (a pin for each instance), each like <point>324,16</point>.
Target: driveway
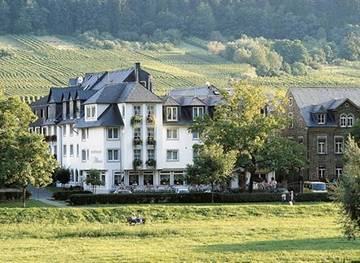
<point>45,196</point>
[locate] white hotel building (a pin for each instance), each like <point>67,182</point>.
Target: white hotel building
<point>113,122</point>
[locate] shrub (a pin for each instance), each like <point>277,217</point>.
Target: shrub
<point>64,195</point>
<point>11,195</point>
<point>145,198</point>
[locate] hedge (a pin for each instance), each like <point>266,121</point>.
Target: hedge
<point>64,195</point>
<point>13,195</point>
<point>146,198</point>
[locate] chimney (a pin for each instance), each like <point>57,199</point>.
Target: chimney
<point>137,72</point>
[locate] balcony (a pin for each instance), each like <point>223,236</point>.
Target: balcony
<point>151,141</point>
<point>137,141</point>
<point>137,163</point>
<point>136,120</point>
<point>150,119</point>
<point>151,163</point>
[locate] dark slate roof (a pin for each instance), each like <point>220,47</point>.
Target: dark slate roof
<point>316,100</point>
<point>40,102</point>
<point>131,92</point>
<point>170,101</point>
<point>196,96</point>
<point>110,117</point>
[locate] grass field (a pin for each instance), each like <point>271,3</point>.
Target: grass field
<point>37,63</point>
<point>236,233</point>
<point>29,203</point>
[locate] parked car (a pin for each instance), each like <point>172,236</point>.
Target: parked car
<point>181,190</point>
<point>122,191</point>
<point>315,187</point>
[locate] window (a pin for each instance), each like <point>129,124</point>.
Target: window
<point>195,136</point>
<point>71,127</point>
<point>37,130</point>
<point>64,130</point>
<point>321,145</point>
<point>350,120</point>
<point>151,154</point>
<point>64,150</point>
<point>301,140</point>
<point>343,120</point>
<point>148,178</point>
<point>103,178</point>
<point>195,152</point>
<point>84,134</point>
<point>150,110</point>
<point>30,130</point>
<point>172,155</point>
<point>44,131</point>
<point>339,144</point>
<point>321,118</point>
<point>113,155</point>
<point>150,132</point>
<point>164,178</point>
<point>77,150</point>
<point>291,101</point>
<point>179,177</point>
<point>171,113</point>
<point>338,172</point>
<point>83,155</point>
<point>90,112</point>
<point>172,134</point>
<point>113,133</point>
<point>137,133</point>
<point>137,154</point>
<point>137,110</point>
<point>198,112</point>
<point>71,150</point>
<point>321,172</point>
<point>291,120</point>
<point>118,178</point>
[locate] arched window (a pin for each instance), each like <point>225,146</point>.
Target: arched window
<point>350,120</point>
<point>343,120</point>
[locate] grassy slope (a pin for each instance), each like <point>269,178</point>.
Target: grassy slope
<point>41,62</point>
<point>253,237</point>
<point>18,204</point>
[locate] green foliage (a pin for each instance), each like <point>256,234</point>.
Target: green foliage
<point>93,178</point>
<point>64,195</point>
<point>62,175</point>
<point>348,190</point>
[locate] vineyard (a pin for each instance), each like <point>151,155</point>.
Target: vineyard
<point>34,64</point>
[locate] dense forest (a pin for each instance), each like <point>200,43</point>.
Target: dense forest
<point>274,36</point>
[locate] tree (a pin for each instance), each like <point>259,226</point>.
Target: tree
<point>348,190</point>
<point>24,157</point>
<point>213,166</point>
<point>93,178</point>
<point>355,131</point>
<point>246,122</point>
<point>62,175</point>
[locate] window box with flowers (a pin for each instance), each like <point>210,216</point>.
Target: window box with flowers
<point>137,141</point>
<point>151,141</point>
<point>137,163</point>
<point>136,120</point>
<point>151,163</point>
<point>150,119</point>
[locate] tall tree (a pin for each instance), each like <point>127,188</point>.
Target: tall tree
<point>24,157</point>
<point>247,121</point>
<point>348,190</point>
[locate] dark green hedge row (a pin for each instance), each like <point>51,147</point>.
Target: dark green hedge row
<point>13,195</point>
<point>87,199</point>
<point>64,195</point>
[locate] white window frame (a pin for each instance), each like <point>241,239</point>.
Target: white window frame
<point>111,131</point>
<point>172,137</point>
<point>150,110</point>
<point>71,130</point>
<point>338,172</point>
<point>350,120</point>
<point>64,130</point>
<point>90,112</point>
<point>321,149</point>
<point>197,112</point>
<point>172,159</point>
<point>153,154</point>
<point>321,118</point>
<point>82,155</point>
<point>135,155</point>
<point>343,120</point>
<point>137,109</point>
<point>195,136</point>
<point>64,150</point>
<point>111,153</point>
<point>321,171</point>
<point>71,150</point>
<point>172,113</point>
<point>338,146</point>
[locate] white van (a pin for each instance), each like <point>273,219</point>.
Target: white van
<point>315,187</point>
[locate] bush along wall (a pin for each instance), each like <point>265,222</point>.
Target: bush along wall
<point>13,195</point>
<point>147,198</point>
<point>64,195</point>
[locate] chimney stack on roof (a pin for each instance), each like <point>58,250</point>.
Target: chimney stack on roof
<point>137,71</point>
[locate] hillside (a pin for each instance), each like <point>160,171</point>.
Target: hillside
<point>34,64</point>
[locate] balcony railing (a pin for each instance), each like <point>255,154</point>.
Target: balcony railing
<point>137,141</point>
<point>151,163</point>
<point>137,163</point>
<point>150,119</point>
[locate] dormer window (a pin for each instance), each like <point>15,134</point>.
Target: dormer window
<point>321,118</point>
<point>343,120</point>
<point>90,112</point>
<point>350,120</point>
<point>171,113</point>
<point>198,112</point>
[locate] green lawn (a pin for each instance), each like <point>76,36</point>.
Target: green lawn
<point>29,203</point>
<point>230,233</point>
